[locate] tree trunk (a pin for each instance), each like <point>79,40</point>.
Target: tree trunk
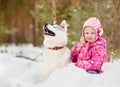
<point>35,23</point>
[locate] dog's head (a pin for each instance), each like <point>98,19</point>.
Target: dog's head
<point>55,35</point>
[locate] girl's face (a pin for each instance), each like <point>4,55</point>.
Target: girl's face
<point>89,34</point>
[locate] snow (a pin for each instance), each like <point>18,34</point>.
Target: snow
<point>22,72</point>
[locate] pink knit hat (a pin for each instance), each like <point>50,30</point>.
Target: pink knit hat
<point>95,24</point>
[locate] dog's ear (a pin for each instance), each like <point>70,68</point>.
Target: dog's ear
<point>64,25</point>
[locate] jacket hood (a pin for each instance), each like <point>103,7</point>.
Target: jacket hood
<point>94,23</point>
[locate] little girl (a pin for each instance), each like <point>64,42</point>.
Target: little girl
<point>90,52</point>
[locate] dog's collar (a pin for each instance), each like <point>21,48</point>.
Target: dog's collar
<point>55,48</point>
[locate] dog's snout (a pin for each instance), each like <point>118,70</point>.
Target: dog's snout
<point>45,27</point>
<point>46,24</point>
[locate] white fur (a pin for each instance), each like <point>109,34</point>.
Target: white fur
<point>55,58</point>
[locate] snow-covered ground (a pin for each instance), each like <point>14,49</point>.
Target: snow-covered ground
<point>25,72</point>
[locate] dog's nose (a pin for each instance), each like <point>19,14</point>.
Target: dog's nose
<point>45,24</point>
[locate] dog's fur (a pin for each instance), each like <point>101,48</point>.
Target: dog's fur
<point>55,54</point>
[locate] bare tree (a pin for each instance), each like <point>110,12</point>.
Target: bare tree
<point>35,23</point>
<point>53,9</point>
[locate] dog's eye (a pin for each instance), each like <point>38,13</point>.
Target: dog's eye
<point>54,26</point>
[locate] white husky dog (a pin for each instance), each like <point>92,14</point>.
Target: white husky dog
<point>55,54</point>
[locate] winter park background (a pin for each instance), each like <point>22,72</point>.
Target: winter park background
<point>21,21</point>
<point>21,72</point>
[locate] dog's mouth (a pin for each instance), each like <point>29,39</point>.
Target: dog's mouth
<point>48,32</point>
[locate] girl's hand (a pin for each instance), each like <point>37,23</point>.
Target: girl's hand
<point>81,44</point>
<point>78,48</point>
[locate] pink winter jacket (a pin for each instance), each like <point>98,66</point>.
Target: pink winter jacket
<point>92,55</point>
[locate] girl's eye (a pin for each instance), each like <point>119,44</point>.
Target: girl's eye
<point>93,33</point>
<point>86,33</point>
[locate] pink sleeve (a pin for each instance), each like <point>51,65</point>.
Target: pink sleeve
<point>98,57</point>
